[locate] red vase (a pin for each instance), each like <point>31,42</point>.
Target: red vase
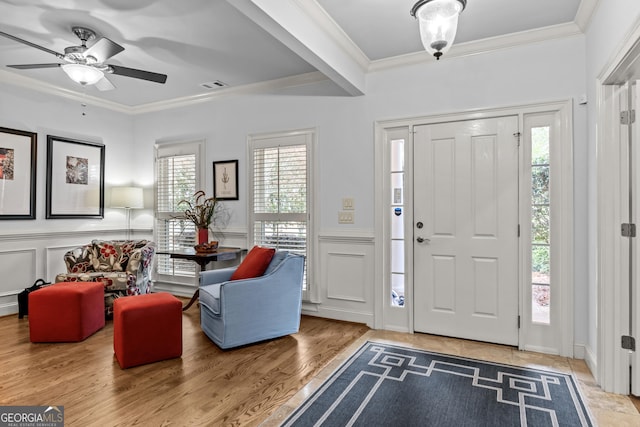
<point>203,235</point>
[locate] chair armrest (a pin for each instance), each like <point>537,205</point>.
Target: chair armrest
<point>140,259</point>
<point>210,277</point>
<point>79,255</point>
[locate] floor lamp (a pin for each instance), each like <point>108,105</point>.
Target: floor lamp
<point>127,198</point>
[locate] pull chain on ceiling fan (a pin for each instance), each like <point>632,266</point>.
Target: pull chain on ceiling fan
<point>86,65</point>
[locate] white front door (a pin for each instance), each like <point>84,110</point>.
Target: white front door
<point>466,229</point>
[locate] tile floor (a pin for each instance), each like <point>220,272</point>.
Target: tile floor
<point>607,409</point>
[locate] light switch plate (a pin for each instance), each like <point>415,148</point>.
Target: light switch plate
<point>347,203</point>
<point>345,217</point>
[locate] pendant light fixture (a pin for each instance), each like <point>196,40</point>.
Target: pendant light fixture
<point>438,23</point>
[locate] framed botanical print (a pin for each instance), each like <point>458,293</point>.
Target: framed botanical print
<point>75,178</point>
<point>17,174</point>
<point>225,180</point>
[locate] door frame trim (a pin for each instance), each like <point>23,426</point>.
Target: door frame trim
<point>565,246</point>
<point>611,364</point>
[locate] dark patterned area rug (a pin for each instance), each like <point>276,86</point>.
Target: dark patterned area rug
<point>388,385</point>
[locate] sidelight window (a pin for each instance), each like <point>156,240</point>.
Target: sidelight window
<point>540,226</point>
<point>397,208</point>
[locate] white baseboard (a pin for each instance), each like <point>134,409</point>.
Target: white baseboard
<point>9,308</point>
<point>340,314</point>
<point>592,362</point>
<point>579,351</point>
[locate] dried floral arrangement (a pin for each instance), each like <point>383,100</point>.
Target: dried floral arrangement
<point>201,210</point>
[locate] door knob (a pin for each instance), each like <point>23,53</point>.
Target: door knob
<point>421,240</point>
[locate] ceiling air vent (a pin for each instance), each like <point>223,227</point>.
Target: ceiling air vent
<point>214,85</point>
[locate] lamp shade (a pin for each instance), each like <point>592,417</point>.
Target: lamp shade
<point>127,197</point>
<point>83,74</point>
<point>438,21</point>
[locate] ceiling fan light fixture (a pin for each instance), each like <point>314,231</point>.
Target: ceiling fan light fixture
<point>438,21</point>
<point>83,74</point>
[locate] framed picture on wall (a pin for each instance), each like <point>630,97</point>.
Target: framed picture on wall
<point>225,180</point>
<point>75,178</point>
<point>17,174</point>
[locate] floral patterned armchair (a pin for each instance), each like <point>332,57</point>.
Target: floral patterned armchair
<point>123,266</point>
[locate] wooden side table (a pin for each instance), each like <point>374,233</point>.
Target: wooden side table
<point>204,258</point>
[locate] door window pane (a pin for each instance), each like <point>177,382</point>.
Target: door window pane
<point>540,226</point>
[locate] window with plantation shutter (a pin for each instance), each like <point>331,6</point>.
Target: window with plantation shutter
<point>178,170</point>
<point>279,209</point>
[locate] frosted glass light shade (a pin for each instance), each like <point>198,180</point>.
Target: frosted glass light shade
<point>127,197</point>
<point>438,21</point>
<point>83,74</point>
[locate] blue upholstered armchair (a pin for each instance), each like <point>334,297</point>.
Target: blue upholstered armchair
<point>239,312</point>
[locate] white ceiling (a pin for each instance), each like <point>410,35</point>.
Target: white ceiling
<point>245,43</point>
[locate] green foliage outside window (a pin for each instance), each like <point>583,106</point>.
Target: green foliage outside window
<point>540,212</point>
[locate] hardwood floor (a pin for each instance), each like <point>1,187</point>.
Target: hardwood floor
<point>247,386</point>
<point>607,409</point>
<point>207,386</point>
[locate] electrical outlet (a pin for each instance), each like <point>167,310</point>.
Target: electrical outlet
<point>345,217</point>
<point>347,204</point>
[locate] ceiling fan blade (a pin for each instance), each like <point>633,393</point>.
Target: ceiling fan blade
<point>103,49</point>
<point>19,40</point>
<point>104,84</point>
<point>138,74</point>
<point>33,66</point>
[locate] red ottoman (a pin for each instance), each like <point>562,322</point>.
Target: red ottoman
<point>147,328</point>
<point>66,312</point>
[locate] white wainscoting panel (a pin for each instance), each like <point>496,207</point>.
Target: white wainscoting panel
<point>344,273</point>
<point>17,271</point>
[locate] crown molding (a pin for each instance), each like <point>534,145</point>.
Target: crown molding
<point>254,88</point>
<point>40,86</point>
<point>482,46</point>
<point>260,87</point>
<point>331,27</point>
<point>585,12</point>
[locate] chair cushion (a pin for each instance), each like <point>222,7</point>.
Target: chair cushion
<point>210,296</point>
<point>254,264</point>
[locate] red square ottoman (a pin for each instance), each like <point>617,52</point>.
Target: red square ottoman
<point>66,312</point>
<point>147,328</point>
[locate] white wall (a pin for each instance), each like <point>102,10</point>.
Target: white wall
<point>607,31</point>
<point>48,115</point>
<point>31,249</point>
<point>548,71</point>
<point>226,123</point>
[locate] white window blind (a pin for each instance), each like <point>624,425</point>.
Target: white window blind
<point>177,178</point>
<point>280,216</point>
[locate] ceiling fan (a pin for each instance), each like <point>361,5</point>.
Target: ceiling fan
<point>86,65</point>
